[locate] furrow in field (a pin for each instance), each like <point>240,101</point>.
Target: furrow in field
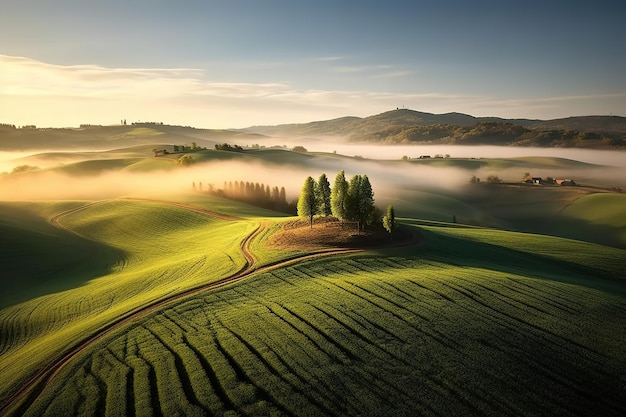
<point>564,378</point>
<point>261,373</point>
<point>148,375</point>
<point>98,392</point>
<point>117,377</point>
<point>300,378</point>
<point>539,297</point>
<point>320,338</point>
<point>249,391</point>
<point>530,367</point>
<point>359,333</point>
<point>491,299</point>
<point>385,296</point>
<point>195,381</point>
<point>418,298</point>
<point>364,350</point>
<point>175,385</point>
<point>516,303</point>
<point>139,380</point>
<point>420,325</point>
<point>215,394</point>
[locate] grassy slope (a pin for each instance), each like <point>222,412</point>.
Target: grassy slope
<point>108,137</point>
<point>571,212</point>
<point>64,260</point>
<point>534,209</point>
<point>474,322</point>
<point>156,250</point>
<point>599,213</point>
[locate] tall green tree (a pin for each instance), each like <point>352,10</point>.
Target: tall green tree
<point>338,196</point>
<point>307,203</point>
<point>323,194</point>
<point>360,201</point>
<point>389,220</point>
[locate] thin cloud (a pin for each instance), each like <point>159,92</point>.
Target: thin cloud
<point>395,74</point>
<point>350,69</point>
<point>34,92</point>
<point>327,58</point>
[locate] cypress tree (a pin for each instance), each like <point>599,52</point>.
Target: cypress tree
<point>323,194</point>
<point>307,203</point>
<point>389,220</point>
<point>338,196</point>
<point>360,201</point>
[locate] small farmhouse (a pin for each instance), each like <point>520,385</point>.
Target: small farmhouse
<point>535,180</point>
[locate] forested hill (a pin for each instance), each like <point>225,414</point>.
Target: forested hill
<point>403,126</point>
<point>400,126</point>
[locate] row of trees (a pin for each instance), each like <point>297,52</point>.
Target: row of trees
<point>228,147</point>
<point>260,195</point>
<point>347,200</point>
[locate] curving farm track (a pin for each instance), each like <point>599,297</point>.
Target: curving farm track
<point>23,396</point>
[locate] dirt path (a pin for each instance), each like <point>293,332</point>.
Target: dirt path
<point>24,396</point>
<point>56,219</point>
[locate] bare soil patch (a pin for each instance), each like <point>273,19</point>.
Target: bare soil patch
<point>329,232</point>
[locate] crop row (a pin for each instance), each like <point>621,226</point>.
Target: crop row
<point>362,335</point>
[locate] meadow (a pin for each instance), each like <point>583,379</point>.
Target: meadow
<point>498,313</point>
<point>131,253</point>
<point>473,322</point>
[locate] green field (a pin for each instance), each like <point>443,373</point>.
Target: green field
<point>474,322</point>
<point>129,253</point>
<point>500,313</point>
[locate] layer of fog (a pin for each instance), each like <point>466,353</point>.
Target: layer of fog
<point>385,179</point>
<point>601,157</point>
<point>389,180</point>
<point>340,145</point>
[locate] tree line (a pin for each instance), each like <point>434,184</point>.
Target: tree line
<point>256,194</point>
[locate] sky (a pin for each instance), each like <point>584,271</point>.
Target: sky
<point>238,63</point>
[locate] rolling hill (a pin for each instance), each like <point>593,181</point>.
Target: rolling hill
<point>148,298</point>
<point>112,137</point>
<point>467,321</point>
<point>391,127</point>
<point>403,126</point>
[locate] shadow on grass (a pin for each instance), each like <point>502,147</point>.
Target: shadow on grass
<point>49,260</point>
<point>460,252</point>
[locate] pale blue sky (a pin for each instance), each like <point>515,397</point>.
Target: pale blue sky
<point>238,63</point>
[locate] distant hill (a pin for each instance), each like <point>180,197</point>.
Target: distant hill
<point>404,126</point>
<point>400,126</point>
<point>352,125</point>
<point>585,124</point>
<point>95,137</point>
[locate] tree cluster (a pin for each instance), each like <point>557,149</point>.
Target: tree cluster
<point>227,147</point>
<point>24,168</point>
<point>347,200</point>
<point>193,147</point>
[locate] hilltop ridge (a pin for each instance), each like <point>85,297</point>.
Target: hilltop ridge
<point>399,126</point>
<point>405,126</point>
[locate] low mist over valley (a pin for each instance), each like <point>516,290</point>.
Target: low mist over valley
<point>146,159</point>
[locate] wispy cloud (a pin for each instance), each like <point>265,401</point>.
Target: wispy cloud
<point>327,58</point>
<point>394,74</point>
<point>34,92</point>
